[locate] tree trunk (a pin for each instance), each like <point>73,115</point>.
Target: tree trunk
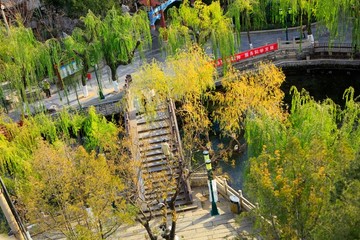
<point>248,29</point>
<point>114,78</point>
<point>310,36</point>
<point>101,94</point>
<point>148,229</point>
<point>173,221</point>
<point>84,72</point>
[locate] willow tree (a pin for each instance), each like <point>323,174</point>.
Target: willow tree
<point>74,192</point>
<point>248,94</point>
<point>84,45</point>
<point>31,153</point>
<point>190,68</point>
<point>26,61</point>
<point>199,24</point>
<point>241,11</point>
<point>120,35</point>
<point>58,57</point>
<point>299,169</point>
<point>339,16</point>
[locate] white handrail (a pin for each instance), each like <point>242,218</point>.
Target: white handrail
<point>227,191</point>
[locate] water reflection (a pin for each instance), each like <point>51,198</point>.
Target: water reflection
<point>235,171</point>
<point>234,167</point>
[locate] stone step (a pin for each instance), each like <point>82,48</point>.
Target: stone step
<point>149,147</point>
<point>154,134</point>
<point>154,140</point>
<point>181,205</point>
<point>149,153</point>
<point>143,118</point>
<point>153,126</point>
<point>181,198</point>
<point>162,167</point>
<point>153,152</point>
<point>155,158</point>
<point>156,185</point>
<point>146,118</point>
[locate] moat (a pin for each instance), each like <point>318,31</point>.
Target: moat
<point>321,84</point>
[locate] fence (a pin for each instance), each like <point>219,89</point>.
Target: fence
<point>227,191</point>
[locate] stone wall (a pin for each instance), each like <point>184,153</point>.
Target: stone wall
<point>108,108</point>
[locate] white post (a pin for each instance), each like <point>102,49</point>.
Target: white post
<point>240,198</point>
<point>215,192</point>
<point>85,91</point>
<point>5,19</point>
<point>116,86</point>
<point>226,187</point>
<point>10,217</point>
<point>311,39</point>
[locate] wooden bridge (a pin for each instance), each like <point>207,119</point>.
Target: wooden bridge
<point>161,175</point>
<point>305,54</point>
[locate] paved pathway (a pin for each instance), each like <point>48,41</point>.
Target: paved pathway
<point>197,224</point>
<point>258,38</point>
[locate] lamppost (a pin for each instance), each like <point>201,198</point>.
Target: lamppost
<point>214,211</point>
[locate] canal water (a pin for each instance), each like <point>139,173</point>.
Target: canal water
<point>321,84</point>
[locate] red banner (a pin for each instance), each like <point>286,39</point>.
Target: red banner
<point>250,53</point>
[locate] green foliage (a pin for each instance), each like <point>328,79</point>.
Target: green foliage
<point>20,142</point>
<point>307,115</point>
<point>25,62</point>
<point>120,35</point>
<point>190,68</point>
<point>302,174</point>
<point>51,171</point>
<point>247,94</point>
<point>87,46</point>
<point>243,12</point>
<point>4,227</point>
<point>97,131</point>
<point>46,126</point>
<point>16,148</point>
<point>199,24</point>
<point>72,186</point>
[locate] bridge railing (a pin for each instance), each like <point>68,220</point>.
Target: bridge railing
<point>176,135</point>
<point>333,47</point>
<point>294,44</point>
<point>227,191</point>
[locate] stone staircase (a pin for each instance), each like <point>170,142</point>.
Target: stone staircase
<point>160,176</point>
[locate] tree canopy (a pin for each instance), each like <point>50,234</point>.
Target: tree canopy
<point>301,170</point>
<point>75,8</point>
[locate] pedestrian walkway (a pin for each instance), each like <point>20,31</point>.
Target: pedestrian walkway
<point>57,101</point>
<point>197,224</point>
<point>75,97</point>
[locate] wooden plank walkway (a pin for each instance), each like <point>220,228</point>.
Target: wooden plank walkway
<point>197,224</point>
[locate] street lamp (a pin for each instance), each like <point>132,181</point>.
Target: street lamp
<point>214,211</point>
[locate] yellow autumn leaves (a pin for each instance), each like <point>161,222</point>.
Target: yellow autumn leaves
<point>249,93</point>
<point>189,77</point>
